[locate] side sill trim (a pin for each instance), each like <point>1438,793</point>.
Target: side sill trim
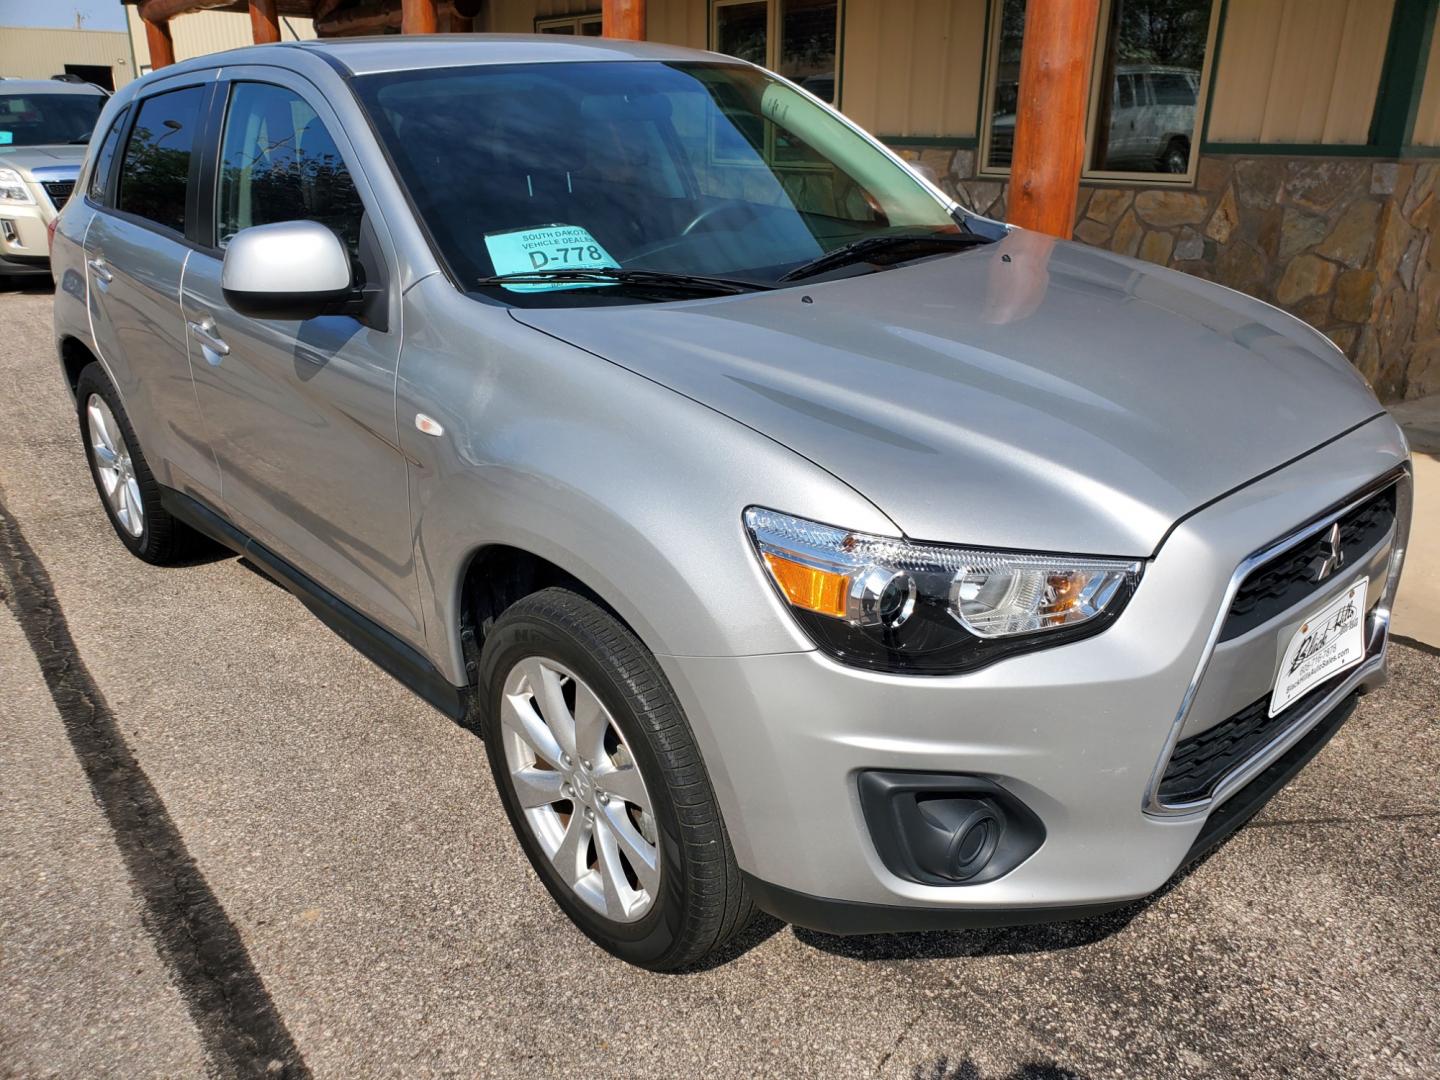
<point>388,652</point>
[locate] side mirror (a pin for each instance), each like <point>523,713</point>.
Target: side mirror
<point>288,270</point>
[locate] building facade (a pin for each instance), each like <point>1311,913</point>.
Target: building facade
<point>98,56</point>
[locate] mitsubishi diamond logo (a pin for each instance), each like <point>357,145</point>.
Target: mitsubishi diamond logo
<point>1325,565</point>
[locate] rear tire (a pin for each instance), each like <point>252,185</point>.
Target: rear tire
<point>123,479</point>
<point>557,653</point>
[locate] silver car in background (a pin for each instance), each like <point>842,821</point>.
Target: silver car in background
<point>45,125</point>
<point>794,537</point>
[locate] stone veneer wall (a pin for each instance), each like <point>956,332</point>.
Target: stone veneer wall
<point>1344,243</point>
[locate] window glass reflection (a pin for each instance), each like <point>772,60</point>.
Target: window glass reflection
<point>740,30</point>
<point>1152,63</point>
<point>808,30</point>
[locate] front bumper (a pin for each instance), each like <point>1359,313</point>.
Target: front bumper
<point>1077,733</point>
<point>24,239</point>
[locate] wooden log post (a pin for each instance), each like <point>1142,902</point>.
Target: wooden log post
<point>1055,60</point>
<point>418,16</point>
<point>264,22</point>
<point>623,19</point>
<point>161,44</point>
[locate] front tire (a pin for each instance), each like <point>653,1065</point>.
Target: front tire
<point>126,485</point>
<point>601,778</point>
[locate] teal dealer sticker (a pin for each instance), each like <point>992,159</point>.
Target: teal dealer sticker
<point>547,247</point>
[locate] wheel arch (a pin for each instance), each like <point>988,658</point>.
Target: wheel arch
<point>496,576</point>
<point>75,357</point>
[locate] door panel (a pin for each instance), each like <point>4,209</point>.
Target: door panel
<point>134,255</point>
<point>301,415</point>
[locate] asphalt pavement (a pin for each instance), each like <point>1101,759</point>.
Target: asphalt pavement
<point>229,845</point>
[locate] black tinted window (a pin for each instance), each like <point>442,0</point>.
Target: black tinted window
<point>156,169</point>
<point>279,163</point>
<point>105,157</point>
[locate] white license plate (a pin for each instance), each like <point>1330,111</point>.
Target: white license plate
<point>1329,641</point>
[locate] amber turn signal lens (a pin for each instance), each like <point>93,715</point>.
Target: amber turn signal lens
<point>809,588</point>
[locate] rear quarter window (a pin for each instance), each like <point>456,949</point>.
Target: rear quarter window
<point>105,159</point>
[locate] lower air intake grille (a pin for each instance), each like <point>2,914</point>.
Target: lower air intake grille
<point>1202,761</point>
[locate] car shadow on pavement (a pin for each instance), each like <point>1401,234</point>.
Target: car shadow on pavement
<point>994,941</point>
<point>27,286</point>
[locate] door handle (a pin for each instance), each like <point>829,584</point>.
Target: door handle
<point>102,271</point>
<point>205,332</point>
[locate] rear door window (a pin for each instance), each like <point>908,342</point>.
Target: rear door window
<point>155,172</point>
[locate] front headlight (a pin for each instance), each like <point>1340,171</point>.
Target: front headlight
<point>13,189</point>
<point>929,609</point>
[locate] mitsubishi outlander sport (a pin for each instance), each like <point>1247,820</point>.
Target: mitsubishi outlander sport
<point>793,536</point>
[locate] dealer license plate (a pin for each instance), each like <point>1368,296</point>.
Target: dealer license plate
<point>1329,641</point>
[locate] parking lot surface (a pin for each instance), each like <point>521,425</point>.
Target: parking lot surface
<point>229,844</point>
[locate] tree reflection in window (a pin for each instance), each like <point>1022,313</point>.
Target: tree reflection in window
<point>279,163</point>
<point>156,169</point>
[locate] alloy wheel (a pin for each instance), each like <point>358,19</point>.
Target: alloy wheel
<point>114,466</point>
<point>580,789</point>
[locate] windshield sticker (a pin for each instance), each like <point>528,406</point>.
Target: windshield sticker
<point>547,247</point>
<point>6,138</point>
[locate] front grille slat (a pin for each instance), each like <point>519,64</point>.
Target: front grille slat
<point>59,191</point>
<point>1287,579</point>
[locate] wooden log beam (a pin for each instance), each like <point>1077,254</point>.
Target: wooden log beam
<point>264,22</point>
<point>162,46</point>
<point>351,21</point>
<point>623,19</point>
<point>1049,154</point>
<point>162,11</point>
<point>418,16</point>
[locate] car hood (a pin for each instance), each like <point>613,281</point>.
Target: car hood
<point>1031,393</point>
<point>26,158</point>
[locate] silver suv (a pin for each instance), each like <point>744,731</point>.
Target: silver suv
<point>794,537</point>
<point>45,125</point>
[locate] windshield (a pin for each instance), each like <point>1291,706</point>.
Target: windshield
<point>701,169</point>
<point>48,119</point>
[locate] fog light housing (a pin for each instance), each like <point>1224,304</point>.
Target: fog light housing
<point>947,829</point>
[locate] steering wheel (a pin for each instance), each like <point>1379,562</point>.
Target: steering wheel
<point>712,212</point>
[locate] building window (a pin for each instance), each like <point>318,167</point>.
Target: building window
<point>1147,96</point>
<point>578,25</point>
<point>797,38</point>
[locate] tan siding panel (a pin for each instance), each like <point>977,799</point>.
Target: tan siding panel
<point>1299,71</point>
<point>511,16</point>
<point>912,67</point>
<point>1427,116</point>
<point>678,22</point>
<point>27,53</point>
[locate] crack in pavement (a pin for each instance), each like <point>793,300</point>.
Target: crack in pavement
<point>239,1026</point>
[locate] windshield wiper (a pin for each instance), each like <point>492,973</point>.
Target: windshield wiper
<point>866,246</point>
<point>606,275</point>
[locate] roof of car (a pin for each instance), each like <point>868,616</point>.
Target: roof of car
<point>47,86</point>
<point>368,55</point>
